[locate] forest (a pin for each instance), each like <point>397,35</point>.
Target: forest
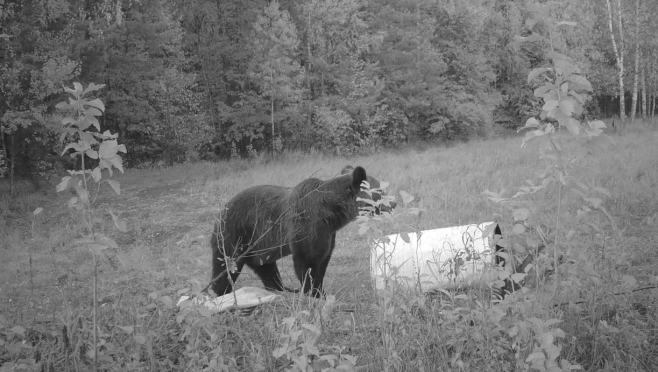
<point>209,79</point>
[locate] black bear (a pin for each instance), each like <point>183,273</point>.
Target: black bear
<point>374,194</point>
<point>264,223</point>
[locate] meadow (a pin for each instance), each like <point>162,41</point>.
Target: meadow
<point>600,311</point>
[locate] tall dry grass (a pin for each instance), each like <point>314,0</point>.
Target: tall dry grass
<point>46,279</point>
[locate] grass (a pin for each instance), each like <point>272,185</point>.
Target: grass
<point>45,298</point>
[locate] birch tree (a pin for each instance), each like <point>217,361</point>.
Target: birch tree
<point>636,72</point>
<point>619,53</point>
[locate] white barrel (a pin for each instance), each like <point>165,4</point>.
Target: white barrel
<point>440,258</point>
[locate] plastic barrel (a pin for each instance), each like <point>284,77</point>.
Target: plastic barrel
<point>440,258</point>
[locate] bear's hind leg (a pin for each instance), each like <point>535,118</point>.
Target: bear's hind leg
<point>270,276</point>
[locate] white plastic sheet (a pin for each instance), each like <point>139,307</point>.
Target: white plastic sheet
<point>246,297</point>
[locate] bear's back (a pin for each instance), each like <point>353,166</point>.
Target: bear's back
<point>256,216</point>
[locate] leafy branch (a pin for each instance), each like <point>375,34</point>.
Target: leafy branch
<point>81,118</point>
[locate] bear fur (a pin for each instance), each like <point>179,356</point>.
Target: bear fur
<point>374,195</point>
<point>264,223</point>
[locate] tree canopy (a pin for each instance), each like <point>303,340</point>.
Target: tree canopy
<point>209,79</point>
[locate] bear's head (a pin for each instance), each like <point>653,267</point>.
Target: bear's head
<point>375,192</point>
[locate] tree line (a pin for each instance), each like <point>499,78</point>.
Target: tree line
<point>218,79</point>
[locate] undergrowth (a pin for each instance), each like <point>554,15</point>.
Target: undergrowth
<point>587,217</point>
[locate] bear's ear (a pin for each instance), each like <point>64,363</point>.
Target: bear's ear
<point>358,176</point>
<point>347,169</point>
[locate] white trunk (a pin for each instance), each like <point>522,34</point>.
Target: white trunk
<point>636,73</point>
<point>619,56</point>
<point>643,87</point>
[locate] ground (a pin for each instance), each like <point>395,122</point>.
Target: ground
<point>605,301</point>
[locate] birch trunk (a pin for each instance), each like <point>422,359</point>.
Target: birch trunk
<point>636,73</point>
<point>643,88</point>
<point>619,56</point>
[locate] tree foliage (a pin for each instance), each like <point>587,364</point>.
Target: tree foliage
<point>201,78</point>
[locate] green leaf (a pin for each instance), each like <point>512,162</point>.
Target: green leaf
<point>542,90</point>
<point>75,145</point>
<point>64,184</point>
<point>18,330</point>
<point>140,339</point>
<point>566,107</point>
<point>532,134</point>
<point>555,56</point>
<point>83,195</point>
<point>74,202</point>
<point>92,153</point>
<point>406,198</point>
<point>85,123</point>
<point>119,222</point>
<point>550,104</point>
<point>521,214</point>
<point>37,211</point>
<point>579,82</point>
<point>76,91</point>
<point>97,103</point>
<point>115,186</point>
<point>167,301</point>
<point>536,73</point>
<point>63,105</point>
<point>96,174</point>
<point>108,163</point>
<point>531,123</point>
<point>93,111</point>
<point>565,120</point>
<point>68,121</point>
<point>518,229</point>
<point>93,87</point>
<point>405,237</point>
<point>279,351</point>
<point>107,149</point>
<point>88,138</point>
<point>573,126</point>
<point>565,67</point>
<point>108,135</point>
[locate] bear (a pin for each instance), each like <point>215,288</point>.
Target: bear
<point>375,195</point>
<point>262,224</point>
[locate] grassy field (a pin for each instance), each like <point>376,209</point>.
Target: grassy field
<point>600,313</point>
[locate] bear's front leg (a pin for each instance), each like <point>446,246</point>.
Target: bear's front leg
<point>311,261</point>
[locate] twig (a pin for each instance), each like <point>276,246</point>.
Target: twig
<point>613,294</point>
